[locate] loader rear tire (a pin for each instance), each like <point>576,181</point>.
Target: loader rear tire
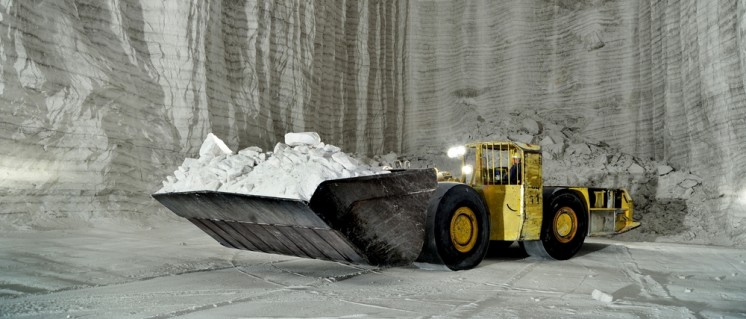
<point>457,229</point>
<point>563,230</point>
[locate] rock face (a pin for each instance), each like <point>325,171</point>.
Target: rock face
<point>103,99</point>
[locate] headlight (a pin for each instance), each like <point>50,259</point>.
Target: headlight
<point>456,151</point>
<point>467,169</point>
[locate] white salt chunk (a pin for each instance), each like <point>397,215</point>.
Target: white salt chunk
<point>332,149</point>
<point>547,140</point>
<point>179,174</point>
<point>303,138</point>
<point>523,138</point>
<point>280,147</point>
<point>345,160</point>
<point>688,183</point>
<point>664,169</point>
<point>210,185</point>
<point>251,151</point>
<point>636,169</point>
<point>601,296</point>
<point>316,153</point>
<point>287,172</point>
<point>213,146</point>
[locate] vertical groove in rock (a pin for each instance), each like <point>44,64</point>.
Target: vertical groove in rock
<point>352,67</point>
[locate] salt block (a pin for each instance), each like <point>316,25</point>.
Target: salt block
<point>636,169</point>
<point>531,126</point>
<point>688,183</point>
<point>580,148</point>
<point>547,140</point>
<point>601,296</point>
<point>302,138</point>
<point>554,149</point>
<point>251,151</point>
<point>664,169</point>
<point>345,160</point>
<point>279,148</point>
<point>213,146</point>
<point>523,138</point>
<point>332,149</point>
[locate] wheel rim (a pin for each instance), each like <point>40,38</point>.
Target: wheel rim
<point>565,225</point>
<point>464,229</point>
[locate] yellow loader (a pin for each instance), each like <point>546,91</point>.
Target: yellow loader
<point>418,215</point>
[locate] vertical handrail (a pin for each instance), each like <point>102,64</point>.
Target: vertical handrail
<point>510,166</point>
<point>501,163</point>
<point>492,166</point>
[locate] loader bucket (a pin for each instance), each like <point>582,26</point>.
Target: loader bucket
<point>377,220</point>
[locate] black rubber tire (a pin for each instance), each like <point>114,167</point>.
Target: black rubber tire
<point>549,246</point>
<point>439,247</point>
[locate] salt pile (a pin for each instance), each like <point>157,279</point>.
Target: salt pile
<point>292,170</point>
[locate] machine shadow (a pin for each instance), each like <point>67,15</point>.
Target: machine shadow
<point>503,252</point>
<point>515,252</point>
<point>589,248</point>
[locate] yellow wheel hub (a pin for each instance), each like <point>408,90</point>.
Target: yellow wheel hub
<point>464,229</point>
<point>565,224</point>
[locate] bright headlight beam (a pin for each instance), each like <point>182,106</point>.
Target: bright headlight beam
<point>456,151</point>
<point>467,169</point>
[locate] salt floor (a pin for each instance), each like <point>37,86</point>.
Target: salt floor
<point>117,271</point>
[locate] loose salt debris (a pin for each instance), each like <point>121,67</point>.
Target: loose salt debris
<point>292,170</point>
<point>601,296</point>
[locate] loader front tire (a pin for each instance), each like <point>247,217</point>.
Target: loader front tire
<point>563,230</point>
<point>457,229</point>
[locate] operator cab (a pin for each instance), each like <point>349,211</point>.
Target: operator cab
<point>508,177</point>
<point>490,163</point>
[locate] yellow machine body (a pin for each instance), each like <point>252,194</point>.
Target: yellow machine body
<point>515,196</point>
